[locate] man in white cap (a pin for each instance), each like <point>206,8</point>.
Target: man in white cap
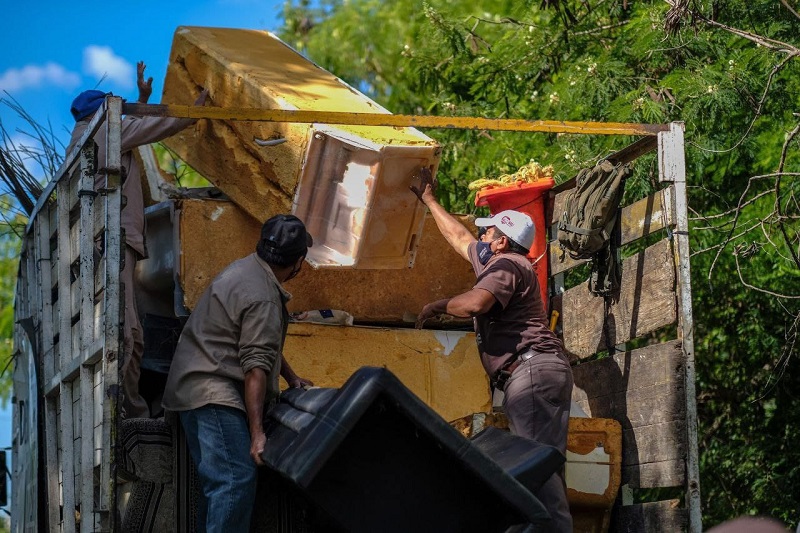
<point>522,357</point>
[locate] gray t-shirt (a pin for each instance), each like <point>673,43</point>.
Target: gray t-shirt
<point>517,322</point>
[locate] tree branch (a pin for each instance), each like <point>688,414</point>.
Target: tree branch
<point>778,210</point>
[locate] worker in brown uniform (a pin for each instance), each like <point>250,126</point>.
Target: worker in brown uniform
<point>522,357</point>
<point>135,132</point>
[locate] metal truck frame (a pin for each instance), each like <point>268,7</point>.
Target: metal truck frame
<point>68,325</point>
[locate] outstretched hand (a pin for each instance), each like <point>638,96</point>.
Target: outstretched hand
<point>145,87</point>
<point>427,185</point>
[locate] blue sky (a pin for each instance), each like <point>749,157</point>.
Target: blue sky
<point>55,49</point>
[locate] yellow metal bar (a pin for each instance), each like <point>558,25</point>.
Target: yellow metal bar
<point>384,119</point>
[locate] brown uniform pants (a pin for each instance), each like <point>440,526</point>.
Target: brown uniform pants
<point>133,404</point>
<point>537,401</point>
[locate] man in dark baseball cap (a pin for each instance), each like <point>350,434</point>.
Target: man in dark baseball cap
<point>227,366</point>
<point>284,239</point>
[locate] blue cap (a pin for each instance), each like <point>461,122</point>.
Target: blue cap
<point>87,103</point>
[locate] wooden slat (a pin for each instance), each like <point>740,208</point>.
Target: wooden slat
<point>653,405</point>
<point>637,388</point>
<point>384,119</point>
<point>51,458</point>
<point>112,331</point>
<point>64,296</point>
<point>670,473</point>
<point>45,297</point>
<point>658,442</point>
<point>67,464</point>
<point>87,333</point>
<point>66,353</point>
<point>656,516</point>
<point>640,219</point>
<point>52,219</point>
<point>644,390</point>
<point>646,302</point>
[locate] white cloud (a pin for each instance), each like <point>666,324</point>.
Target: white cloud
<point>35,76</point>
<point>101,61</point>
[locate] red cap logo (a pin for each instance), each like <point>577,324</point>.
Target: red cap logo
<point>507,221</point>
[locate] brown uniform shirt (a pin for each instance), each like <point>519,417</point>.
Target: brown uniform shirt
<point>135,131</point>
<point>239,324</point>
<point>517,322</point>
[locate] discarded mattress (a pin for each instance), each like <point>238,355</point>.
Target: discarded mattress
<point>373,457</point>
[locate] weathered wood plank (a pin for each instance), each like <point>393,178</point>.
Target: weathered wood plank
<point>660,403</point>
<point>640,219</point>
<point>641,369</point>
<point>67,459</point>
<point>51,457</point>
<point>64,296</point>
<point>44,294</point>
<point>646,302</point>
<point>637,388</point>
<point>112,330</point>
<point>655,516</point>
<point>658,442</point>
<point>652,475</point>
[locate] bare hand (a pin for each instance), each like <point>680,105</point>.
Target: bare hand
<point>201,100</point>
<point>300,383</point>
<point>257,444</point>
<point>427,186</point>
<point>145,87</point>
<point>427,312</point>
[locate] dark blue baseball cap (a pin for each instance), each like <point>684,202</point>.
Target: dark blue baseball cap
<point>87,103</point>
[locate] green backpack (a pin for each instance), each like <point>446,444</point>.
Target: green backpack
<point>591,210</point>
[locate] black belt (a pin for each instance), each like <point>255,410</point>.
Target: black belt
<point>502,375</point>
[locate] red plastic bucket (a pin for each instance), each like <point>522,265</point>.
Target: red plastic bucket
<point>528,198</point>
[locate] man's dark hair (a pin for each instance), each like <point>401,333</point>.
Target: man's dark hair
<point>513,246</point>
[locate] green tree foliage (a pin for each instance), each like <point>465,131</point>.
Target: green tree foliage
<point>729,70</point>
<point>9,254</point>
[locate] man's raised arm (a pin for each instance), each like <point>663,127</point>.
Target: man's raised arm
<point>453,231</point>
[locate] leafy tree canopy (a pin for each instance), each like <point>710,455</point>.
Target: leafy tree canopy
<point>729,70</point>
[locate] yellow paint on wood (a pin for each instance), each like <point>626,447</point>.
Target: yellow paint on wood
<point>383,120</point>
<point>448,377</point>
<point>588,440</point>
<point>254,69</point>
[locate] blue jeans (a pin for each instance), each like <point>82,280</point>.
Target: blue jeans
<point>219,443</point>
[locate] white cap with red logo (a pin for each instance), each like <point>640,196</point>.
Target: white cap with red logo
<point>515,225</point>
